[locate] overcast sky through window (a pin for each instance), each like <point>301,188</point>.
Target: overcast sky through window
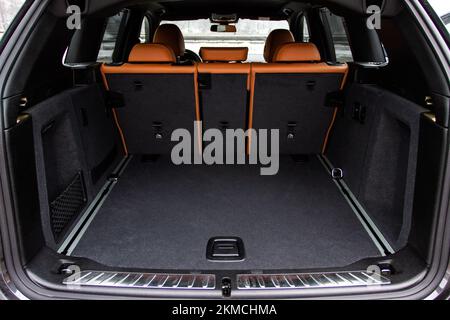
<point>442,7</point>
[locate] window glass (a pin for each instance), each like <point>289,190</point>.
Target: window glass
<point>144,36</point>
<point>109,38</point>
<point>8,10</point>
<point>340,38</point>
<point>442,8</point>
<point>250,33</point>
<point>306,33</point>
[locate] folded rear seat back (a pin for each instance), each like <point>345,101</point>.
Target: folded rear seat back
<point>290,95</point>
<point>159,97</point>
<point>224,83</point>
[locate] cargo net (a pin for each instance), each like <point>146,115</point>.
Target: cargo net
<point>67,205</point>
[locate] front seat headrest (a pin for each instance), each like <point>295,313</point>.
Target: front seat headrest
<point>275,39</point>
<point>171,36</point>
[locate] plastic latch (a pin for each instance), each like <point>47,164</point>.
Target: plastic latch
<point>226,287</point>
<point>157,128</point>
<point>291,130</point>
<point>337,173</point>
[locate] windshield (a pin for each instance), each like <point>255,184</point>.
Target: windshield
<point>250,33</point>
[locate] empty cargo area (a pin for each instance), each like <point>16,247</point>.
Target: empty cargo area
<point>161,216</point>
<point>324,146</point>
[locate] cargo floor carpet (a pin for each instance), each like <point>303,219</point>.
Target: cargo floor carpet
<point>161,216</point>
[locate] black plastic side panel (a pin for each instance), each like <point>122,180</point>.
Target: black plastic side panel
<point>433,140</point>
<point>85,43</point>
<point>22,166</point>
<point>11,109</point>
<point>366,45</point>
<point>441,105</point>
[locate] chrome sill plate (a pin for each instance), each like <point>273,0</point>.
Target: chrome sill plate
<point>142,280</point>
<point>309,280</point>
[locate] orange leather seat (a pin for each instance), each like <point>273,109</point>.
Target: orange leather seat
<point>274,40</point>
<point>224,54</point>
<point>171,36</point>
<point>152,52</point>
<point>288,94</point>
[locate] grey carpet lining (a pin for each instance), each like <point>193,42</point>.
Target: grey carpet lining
<point>161,216</point>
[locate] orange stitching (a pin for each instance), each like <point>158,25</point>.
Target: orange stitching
<point>197,108</point>
<point>116,120</point>
<point>330,128</point>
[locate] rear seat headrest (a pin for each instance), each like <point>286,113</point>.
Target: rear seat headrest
<point>229,54</point>
<point>151,53</point>
<point>297,52</point>
<point>171,36</point>
<point>276,38</point>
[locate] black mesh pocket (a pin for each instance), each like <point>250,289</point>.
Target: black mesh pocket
<point>67,205</point>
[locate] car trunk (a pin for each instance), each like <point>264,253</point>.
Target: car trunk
<point>348,208</point>
<point>95,204</point>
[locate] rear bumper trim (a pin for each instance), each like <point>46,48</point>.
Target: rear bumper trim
<point>310,280</point>
<point>141,280</point>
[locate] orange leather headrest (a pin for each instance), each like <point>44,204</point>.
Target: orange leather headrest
<point>229,54</point>
<point>297,52</point>
<point>275,39</point>
<point>152,53</point>
<point>171,36</point>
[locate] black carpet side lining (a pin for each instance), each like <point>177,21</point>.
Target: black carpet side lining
<point>72,239</point>
<point>373,231</point>
<point>161,216</point>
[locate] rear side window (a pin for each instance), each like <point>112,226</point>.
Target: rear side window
<point>442,9</point>
<point>110,38</point>
<point>8,10</point>
<point>340,38</point>
<point>305,30</point>
<point>144,36</point>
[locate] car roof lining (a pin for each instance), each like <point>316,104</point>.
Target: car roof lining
<point>195,9</point>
